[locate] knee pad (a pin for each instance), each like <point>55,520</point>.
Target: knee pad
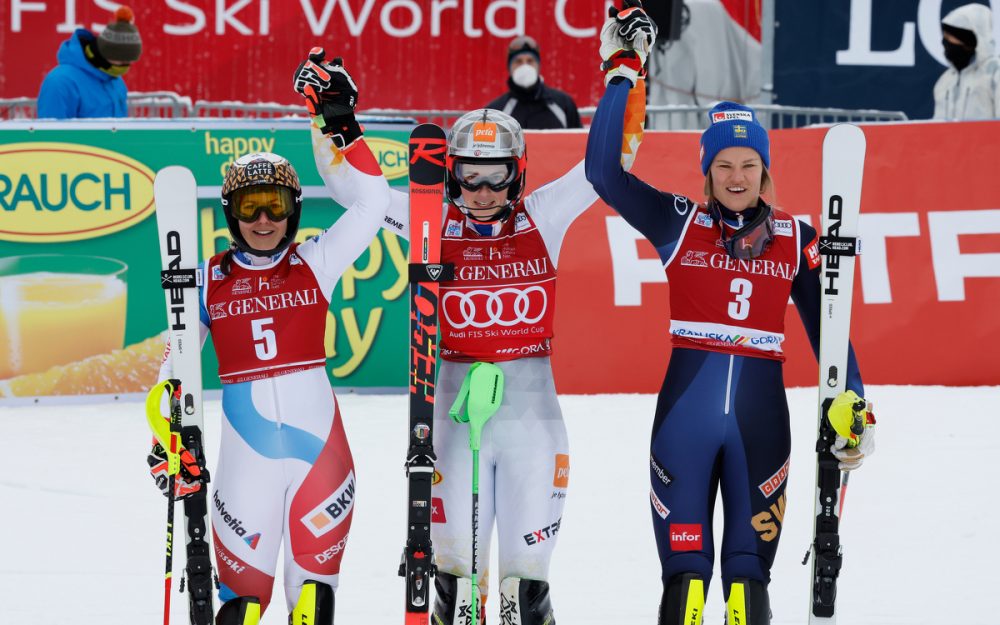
<point>683,601</point>
<point>239,611</point>
<point>452,599</point>
<point>315,605</point>
<point>748,603</point>
<point>525,602</point>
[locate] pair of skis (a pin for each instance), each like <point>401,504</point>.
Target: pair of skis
<point>175,194</point>
<point>843,166</point>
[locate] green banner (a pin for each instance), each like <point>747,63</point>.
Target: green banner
<point>81,308</point>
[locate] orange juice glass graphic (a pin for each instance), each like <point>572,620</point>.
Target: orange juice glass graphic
<point>59,308</point>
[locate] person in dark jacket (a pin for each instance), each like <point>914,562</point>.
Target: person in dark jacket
<point>87,82</point>
<point>535,105</point>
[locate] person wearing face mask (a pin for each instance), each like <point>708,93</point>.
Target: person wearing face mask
<point>535,105</point>
<point>970,88</point>
<point>88,82</point>
<point>722,416</point>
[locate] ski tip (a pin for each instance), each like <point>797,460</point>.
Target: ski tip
<point>173,175</point>
<point>845,132</point>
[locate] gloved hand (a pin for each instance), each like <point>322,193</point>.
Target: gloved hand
<point>626,39</point>
<point>854,422</point>
<point>188,480</point>
<point>331,96</point>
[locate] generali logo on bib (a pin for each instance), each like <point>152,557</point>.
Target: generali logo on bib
<point>685,536</point>
<point>484,132</point>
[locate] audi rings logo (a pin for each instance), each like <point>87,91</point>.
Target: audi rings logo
<point>505,307</point>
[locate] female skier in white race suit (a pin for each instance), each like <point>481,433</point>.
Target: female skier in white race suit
<point>499,309</point>
<point>285,473</point>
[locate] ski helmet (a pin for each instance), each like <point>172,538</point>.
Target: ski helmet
<point>486,137</point>
<point>253,175</point>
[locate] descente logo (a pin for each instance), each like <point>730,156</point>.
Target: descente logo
<point>52,192</point>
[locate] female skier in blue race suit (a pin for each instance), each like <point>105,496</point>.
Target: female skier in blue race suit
<point>722,415</point>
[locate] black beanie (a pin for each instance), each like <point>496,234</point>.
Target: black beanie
<point>120,40</point>
<point>523,45</point>
<point>965,36</point>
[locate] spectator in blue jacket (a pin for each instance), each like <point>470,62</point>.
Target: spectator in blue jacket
<point>87,82</point>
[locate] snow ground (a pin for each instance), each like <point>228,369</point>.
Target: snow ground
<point>81,525</point>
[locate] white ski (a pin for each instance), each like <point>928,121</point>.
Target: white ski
<point>175,194</point>
<point>843,167</point>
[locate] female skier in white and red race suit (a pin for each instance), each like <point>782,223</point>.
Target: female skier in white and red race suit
<point>499,309</point>
<point>285,473</point>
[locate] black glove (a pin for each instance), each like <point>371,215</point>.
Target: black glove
<point>331,96</point>
<point>189,480</point>
<point>633,22</point>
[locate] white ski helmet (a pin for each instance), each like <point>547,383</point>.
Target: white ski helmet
<point>256,170</point>
<point>487,136</point>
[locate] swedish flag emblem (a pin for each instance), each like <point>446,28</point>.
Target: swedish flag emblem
<point>739,131</point>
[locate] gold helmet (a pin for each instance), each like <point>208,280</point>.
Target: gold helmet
<point>262,172</point>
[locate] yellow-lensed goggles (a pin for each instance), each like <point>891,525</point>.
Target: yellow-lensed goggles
<point>277,202</point>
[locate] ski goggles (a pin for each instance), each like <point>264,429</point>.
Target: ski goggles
<point>753,239</point>
<point>277,202</point>
<point>473,175</point>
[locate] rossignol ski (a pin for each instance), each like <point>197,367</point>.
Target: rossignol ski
<point>427,173</point>
<point>175,194</point>
<point>843,166</point>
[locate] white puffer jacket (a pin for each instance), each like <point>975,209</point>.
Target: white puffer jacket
<point>974,92</point>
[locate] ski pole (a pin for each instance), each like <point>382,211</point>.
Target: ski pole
<point>168,434</point>
<point>482,393</point>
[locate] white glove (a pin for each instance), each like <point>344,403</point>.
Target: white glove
<point>852,457</point>
<point>626,38</point>
<point>852,419</point>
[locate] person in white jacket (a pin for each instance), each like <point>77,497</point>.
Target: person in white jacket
<point>970,88</point>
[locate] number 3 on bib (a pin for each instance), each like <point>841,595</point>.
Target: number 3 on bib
<point>739,308</point>
<point>264,343</point>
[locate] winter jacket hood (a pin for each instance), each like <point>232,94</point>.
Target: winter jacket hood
<point>75,88</point>
<point>974,92</point>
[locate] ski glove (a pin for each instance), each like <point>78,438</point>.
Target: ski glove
<point>626,39</point>
<point>330,95</point>
<point>188,480</point>
<point>852,418</point>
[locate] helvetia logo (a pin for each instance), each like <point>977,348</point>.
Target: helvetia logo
<point>52,192</point>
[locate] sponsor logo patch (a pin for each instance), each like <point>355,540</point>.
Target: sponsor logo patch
<point>547,532</point>
<point>661,509</point>
<point>685,537</point>
<point>812,253</point>
<point>437,510</point>
<point>695,258</point>
<point>560,478</point>
<point>521,222</point>
<point>783,227</point>
<point>217,273</point>
<point>453,229</point>
<point>242,286</point>
<point>774,482</point>
<point>484,132</point>
<point>332,511</point>
<point>436,478</point>
<point>725,116</point>
<point>252,540</point>
<point>659,471</point>
<point>473,253</point>
<point>704,220</point>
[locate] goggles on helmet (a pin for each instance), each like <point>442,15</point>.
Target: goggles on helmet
<point>473,175</point>
<point>750,240</point>
<point>278,202</point>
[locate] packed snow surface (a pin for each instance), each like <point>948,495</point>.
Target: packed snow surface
<point>82,525</point>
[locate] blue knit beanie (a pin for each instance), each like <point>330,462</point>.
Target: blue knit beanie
<point>733,125</point>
